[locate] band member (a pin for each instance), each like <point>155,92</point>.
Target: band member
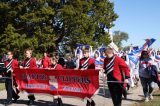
<point>10,64</point>
<point>45,61</point>
<point>114,66</point>
<point>29,62</point>
<point>54,64</point>
<point>86,62</point>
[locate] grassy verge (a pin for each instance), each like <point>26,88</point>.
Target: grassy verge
<point>2,86</point>
<point>154,102</point>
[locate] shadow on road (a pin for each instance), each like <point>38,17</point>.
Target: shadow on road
<point>156,94</point>
<point>141,95</point>
<point>132,100</point>
<point>36,103</point>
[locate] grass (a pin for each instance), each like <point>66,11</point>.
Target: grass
<point>2,86</point>
<point>154,102</point>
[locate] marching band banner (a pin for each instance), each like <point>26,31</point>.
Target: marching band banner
<point>76,83</point>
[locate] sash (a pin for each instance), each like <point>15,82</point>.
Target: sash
<point>54,66</point>
<point>28,63</point>
<point>9,66</point>
<point>85,64</point>
<point>109,66</point>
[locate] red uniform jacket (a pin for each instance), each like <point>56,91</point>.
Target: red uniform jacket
<point>14,63</point>
<point>119,65</point>
<point>46,62</point>
<point>91,63</point>
<point>32,63</point>
<point>58,67</point>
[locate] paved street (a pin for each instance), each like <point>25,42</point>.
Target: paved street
<point>135,95</point>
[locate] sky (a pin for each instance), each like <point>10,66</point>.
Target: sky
<point>140,19</point>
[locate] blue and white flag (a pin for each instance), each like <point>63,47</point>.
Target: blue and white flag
<point>134,55</point>
<point>133,58</point>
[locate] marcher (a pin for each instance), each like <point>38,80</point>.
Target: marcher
<point>126,86</point>
<point>144,73</point>
<point>10,64</point>
<point>114,67</point>
<point>70,63</point>
<point>55,65</point>
<point>87,63</point>
<point>29,62</point>
<point>61,61</point>
<point>45,63</point>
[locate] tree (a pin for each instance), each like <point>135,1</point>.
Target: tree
<point>118,37</point>
<point>43,25</point>
<point>29,24</point>
<point>126,48</point>
<point>85,22</point>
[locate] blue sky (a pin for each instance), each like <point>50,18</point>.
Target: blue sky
<point>140,19</point>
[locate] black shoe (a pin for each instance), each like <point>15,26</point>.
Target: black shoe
<point>30,102</point>
<point>88,103</point>
<point>125,97</point>
<point>15,99</point>
<point>8,103</point>
<point>93,103</point>
<point>59,102</point>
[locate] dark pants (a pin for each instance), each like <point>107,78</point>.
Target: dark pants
<point>31,97</point>
<point>116,90</point>
<point>147,86</point>
<point>10,92</point>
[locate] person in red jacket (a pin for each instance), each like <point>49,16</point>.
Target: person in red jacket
<point>10,64</point>
<point>45,61</point>
<point>114,66</point>
<point>86,62</point>
<point>29,62</point>
<point>54,64</point>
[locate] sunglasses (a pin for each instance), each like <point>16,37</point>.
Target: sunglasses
<point>145,54</point>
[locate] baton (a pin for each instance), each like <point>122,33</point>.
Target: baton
<point>5,78</point>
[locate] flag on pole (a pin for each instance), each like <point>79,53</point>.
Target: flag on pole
<point>134,55</point>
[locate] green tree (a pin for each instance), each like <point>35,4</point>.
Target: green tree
<point>45,24</point>
<point>86,21</point>
<point>126,48</point>
<point>118,37</point>
<point>29,23</point>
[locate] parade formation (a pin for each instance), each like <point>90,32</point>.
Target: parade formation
<point>119,70</point>
<point>66,48</point>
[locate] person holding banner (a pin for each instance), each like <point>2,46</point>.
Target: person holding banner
<point>10,64</point>
<point>45,63</point>
<point>87,63</point>
<point>29,62</point>
<point>55,65</point>
<point>114,67</point>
